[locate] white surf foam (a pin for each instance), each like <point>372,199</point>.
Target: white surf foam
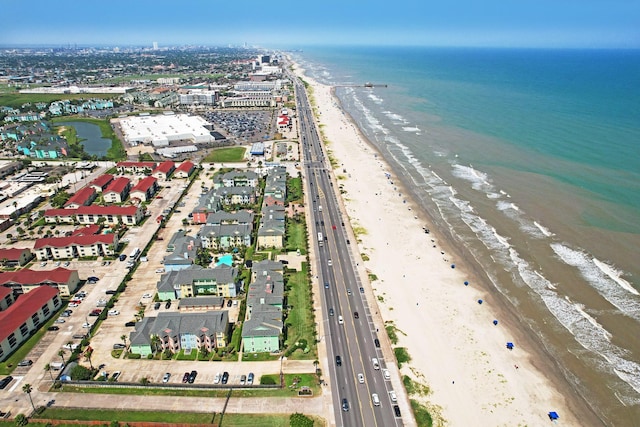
<point>543,229</point>
<point>615,275</point>
<point>625,299</point>
<point>411,129</point>
<point>375,98</point>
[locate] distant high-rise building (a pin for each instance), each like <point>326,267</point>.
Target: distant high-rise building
<point>155,45</point>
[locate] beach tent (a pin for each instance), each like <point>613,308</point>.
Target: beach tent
<point>495,322</point>
<point>479,301</point>
<point>510,345</point>
<point>553,415</point>
<point>453,266</point>
<point>466,283</point>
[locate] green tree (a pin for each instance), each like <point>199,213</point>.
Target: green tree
<point>27,389</point>
<point>61,354</point>
<point>47,368</point>
<point>300,420</point>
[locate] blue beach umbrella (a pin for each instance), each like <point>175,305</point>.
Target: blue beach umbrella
<point>553,415</point>
<point>510,345</point>
<point>453,266</point>
<point>495,322</point>
<point>479,301</point>
<point>466,283</point>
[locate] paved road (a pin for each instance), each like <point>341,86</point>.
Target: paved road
<point>350,336</point>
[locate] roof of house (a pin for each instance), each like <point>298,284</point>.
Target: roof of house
<point>23,309</point>
<point>4,292</point>
<point>207,301</point>
<point>33,277</point>
<point>267,323</point>
<point>145,184</point>
<point>165,167</point>
<point>176,323</point>
<point>223,230</point>
<point>185,166</point>
<point>78,240</point>
<point>81,196</point>
<point>222,274</point>
<point>223,217</point>
<point>11,254</point>
<point>86,230</point>
<point>117,185</point>
<point>102,180</point>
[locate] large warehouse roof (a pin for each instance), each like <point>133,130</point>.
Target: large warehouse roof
<point>163,129</point>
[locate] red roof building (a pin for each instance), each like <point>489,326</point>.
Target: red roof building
<point>86,230</point>
<point>24,316</point>
<point>15,256</point>
<point>185,169</point>
<point>128,215</point>
<point>164,170</point>
<point>82,246</point>
<point>117,191</point>
<point>101,182</point>
<point>145,189</point>
<point>83,197</point>
<point>6,298</point>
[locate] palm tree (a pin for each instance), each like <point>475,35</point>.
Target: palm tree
<point>155,343</point>
<point>124,339</point>
<point>61,354</point>
<point>47,368</point>
<point>27,389</point>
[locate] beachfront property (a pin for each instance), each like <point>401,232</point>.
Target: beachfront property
<point>145,189</point>
<point>15,257</point>
<point>128,215</point>
<point>235,196</point>
<point>24,315</point>
<point>276,182</point>
<point>271,234</point>
<point>184,250</point>
<point>196,281</point>
<point>263,327</point>
<point>161,130</point>
<point>76,246</point>
<point>25,281</point>
<point>175,332</point>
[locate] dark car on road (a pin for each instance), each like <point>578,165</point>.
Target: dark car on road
<point>225,377</point>
<point>356,315</point>
<point>396,410</point>
<point>338,361</point>
<point>192,376</point>
<point>345,405</point>
<point>376,342</point>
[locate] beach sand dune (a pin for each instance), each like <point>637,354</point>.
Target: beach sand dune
<point>455,348</point>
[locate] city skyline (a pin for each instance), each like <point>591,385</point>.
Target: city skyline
<point>543,23</point>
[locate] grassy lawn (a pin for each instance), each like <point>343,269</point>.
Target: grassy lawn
<point>10,364</point>
<point>223,155</point>
<point>294,190</point>
<point>300,321</point>
<point>296,236</point>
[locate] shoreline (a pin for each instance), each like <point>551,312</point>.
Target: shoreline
<point>518,392</point>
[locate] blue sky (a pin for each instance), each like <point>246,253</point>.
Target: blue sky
<point>530,23</point>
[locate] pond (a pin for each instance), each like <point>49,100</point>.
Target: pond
<point>91,135</point>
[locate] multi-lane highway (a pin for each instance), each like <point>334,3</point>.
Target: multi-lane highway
<point>357,369</point>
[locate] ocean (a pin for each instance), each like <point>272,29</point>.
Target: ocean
<point>529,160</point>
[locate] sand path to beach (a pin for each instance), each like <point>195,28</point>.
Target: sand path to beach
<point>456,349</point>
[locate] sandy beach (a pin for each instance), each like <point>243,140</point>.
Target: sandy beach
<point>456,349</point>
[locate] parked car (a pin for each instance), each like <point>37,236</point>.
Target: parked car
<point>25,362</point>
<point>131,323</point>
<point>119,346</point>
<point>122,257</point>
<point>113,312</point>
<point>115,376</point>
<point>216,379</point>
<point>110,292</point>
<point>156,306</point>
<point>361,290</point>
<point>243,379</point>
<point>396,410</point>
<point>229,302</point>
<point>93,278</point>
<point>168,304</point>
<point>192,377</point>
<point>225,377</point>
<point>165,378</point>
<point>185,377</point>
<point>67,264</point>
<point>392,396</point>
<point>53,328</point>
<point>60,320</point>
<point>5,382</point>
<point>250,378</point>
<point>386,374</point>
<point>376,342</point>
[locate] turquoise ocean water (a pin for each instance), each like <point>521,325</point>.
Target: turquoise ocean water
<point>530,159</point>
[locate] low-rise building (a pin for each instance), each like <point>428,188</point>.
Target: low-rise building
<point>83,197</point>
<point>196,281</point>
<point>235,196</point>
<point>25,281</point>
<point>164,170</point>
<point>184,250</point>
<point>185,170</point>
<point>101,182</point>
<point>145,189</point>
<point>117,191</point>
<point>180,331</point>
<point>136,167</point>
<point>128,215</point>
<point>76,246</point>
<point>22,318</point>
<point>13,257</point>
